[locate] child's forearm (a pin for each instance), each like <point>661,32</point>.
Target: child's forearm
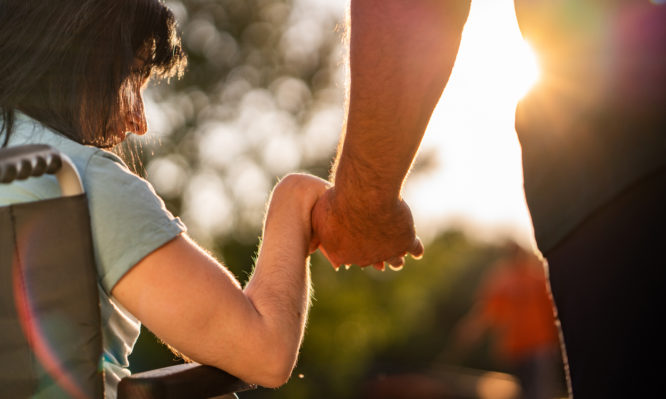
<point>280,286</point>
<point>279,289</point>
<point>253,333</point>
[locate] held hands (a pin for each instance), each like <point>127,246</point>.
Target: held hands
<point>365,234</point>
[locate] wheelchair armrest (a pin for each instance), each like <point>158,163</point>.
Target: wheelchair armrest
<point>189,380</point>
<point>22,162</point>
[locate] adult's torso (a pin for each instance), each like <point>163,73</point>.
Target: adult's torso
<point>595,123</point>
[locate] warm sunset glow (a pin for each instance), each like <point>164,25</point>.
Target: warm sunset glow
<point>494,54</point>
<point>478,182</point>
<point>526,73</point>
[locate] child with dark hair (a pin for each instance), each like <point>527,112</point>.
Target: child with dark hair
<point>71,77</point>
<point>78,66</point>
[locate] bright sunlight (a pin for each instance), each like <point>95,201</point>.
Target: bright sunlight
<point>477,181</point>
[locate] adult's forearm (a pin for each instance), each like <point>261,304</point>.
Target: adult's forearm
<point>401,56</point>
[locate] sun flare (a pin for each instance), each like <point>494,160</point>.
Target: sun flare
<point>495,54</point>
<point>527,71</point>
<point>478,182</point>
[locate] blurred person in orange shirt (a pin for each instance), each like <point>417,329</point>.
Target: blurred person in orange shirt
<point>515,306</point>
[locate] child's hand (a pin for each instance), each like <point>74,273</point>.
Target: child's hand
<point>290,207</point>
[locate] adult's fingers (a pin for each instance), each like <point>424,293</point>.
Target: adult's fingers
<point>379,266</point>
<point>396,263</point>
<point>334,264</point>
<point>396,268</point>
<point>417,249</point>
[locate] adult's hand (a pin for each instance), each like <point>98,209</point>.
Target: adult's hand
<point>368,233</point>
<point>401,54</point>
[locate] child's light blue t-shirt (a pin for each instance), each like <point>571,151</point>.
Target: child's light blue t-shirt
<point>128,222</point>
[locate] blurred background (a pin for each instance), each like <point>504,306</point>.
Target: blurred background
<point>263,95</point>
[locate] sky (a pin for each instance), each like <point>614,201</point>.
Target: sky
<point>477,181</point>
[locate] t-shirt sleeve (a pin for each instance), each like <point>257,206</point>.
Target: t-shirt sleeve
<point>128,219</point>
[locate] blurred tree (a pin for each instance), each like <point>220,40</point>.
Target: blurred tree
<point>262,96</point>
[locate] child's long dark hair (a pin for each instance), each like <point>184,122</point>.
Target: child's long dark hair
<point>69,63</point>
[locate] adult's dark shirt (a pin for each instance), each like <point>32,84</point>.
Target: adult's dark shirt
<point>595,124</point>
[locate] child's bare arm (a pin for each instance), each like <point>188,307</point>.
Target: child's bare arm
<point>196,305</point>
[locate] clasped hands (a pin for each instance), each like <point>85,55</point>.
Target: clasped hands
<point>367,231</point>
